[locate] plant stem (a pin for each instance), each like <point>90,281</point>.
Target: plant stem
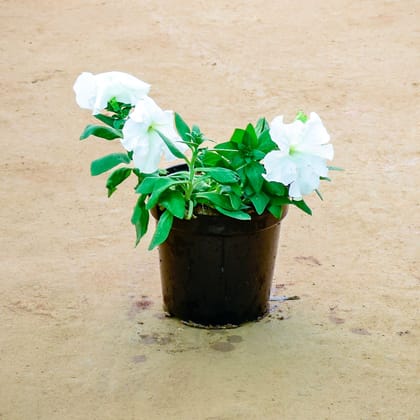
<point>190,183</point>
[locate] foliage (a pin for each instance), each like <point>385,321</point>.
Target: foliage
<point>229,178</point>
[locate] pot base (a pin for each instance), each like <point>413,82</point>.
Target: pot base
<point>215,327</point>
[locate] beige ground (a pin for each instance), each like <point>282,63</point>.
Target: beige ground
<point>79,339</point>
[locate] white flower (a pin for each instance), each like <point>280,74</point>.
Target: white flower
<point>94,91</point>
<point>140,135</point>
<point>301,158</point>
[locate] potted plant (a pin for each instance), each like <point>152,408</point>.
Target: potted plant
<point>218,212</point>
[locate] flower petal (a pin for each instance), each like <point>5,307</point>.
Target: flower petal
<point>94,91</point>
<point>133,133</point>
<point>324,151</point>
<point>279,167</point>
<point>166,125</point>
<point>294,191</point>
<point>307,181</point>
<point>314,130</point>
<point>318,165</point>
<point>301,160</point>
<point>147,154</point>
<point>124,87</point>
<point>141,135</point>
<point>85,89</point>
<point>285,135</point>
<point>279,135</point>
<point>146,110</point>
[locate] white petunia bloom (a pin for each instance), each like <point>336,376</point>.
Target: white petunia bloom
<point>94,91</point>
<point>301,158</point>
<point>140,135</point>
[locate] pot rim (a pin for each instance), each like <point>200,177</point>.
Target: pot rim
<point>224,225</point>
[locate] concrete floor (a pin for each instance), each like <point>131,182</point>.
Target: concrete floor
<point>82,332</point>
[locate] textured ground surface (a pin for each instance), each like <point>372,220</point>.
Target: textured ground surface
<point>81,329</point>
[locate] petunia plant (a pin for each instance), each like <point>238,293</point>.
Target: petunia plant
<point>262,168</point>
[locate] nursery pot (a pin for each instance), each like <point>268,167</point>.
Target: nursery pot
<point>217,271</point>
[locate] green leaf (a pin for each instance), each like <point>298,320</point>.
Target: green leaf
<point>227,150</point>
<point>116,178</point>
<point>106,119</point>
<point>250,138</point>
<point>335,168</point>
<point>210,158</point>
<point>237,136</point>
<point>135,217</point>
<point>161,185</point>
<point>260,202</point>
<point>182,127</point>
<point>196,130</point>
<point>302,205</point>
<point>301,116</point>
<point>318,193</point>
<point>222,175</point>
<point>214,199</point>
<point>280,201</point>
<point>238,161</point>
<point>141,227</point>
<point>236,188</point>
<point>265,144</point>
<point>139,176</point>
<point>254,172</point>
<point>261,126</point>
<point>235,200</point>
<point>275,188</point>
<point>147,185</point>
<point>196,135</point>
<point>257,155</point>
<point>174,202</point>
<point>235,214</point>
<point>113,105</point>
<point>227,146</point>
<point>276,211</point>
<point>107,162</point>
<point>140,219</point>
<point>162,229</point>
<point>171,146</point>
<point>107,133</point>
<point>248,190</point>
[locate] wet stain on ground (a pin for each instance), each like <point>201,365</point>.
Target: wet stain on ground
<point>155,338</point>
<point>140,305</point>
<point>139,358</point>
<point>336,319</point>
<point>161,315</point>
<point>278,314</point>
<point>308,260</point>
<point>222,346</point>
<point>143,303</point>
<point>360,331</point>
<point>234,339</point>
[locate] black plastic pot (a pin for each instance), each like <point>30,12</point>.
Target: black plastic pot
<point>217,271</point>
